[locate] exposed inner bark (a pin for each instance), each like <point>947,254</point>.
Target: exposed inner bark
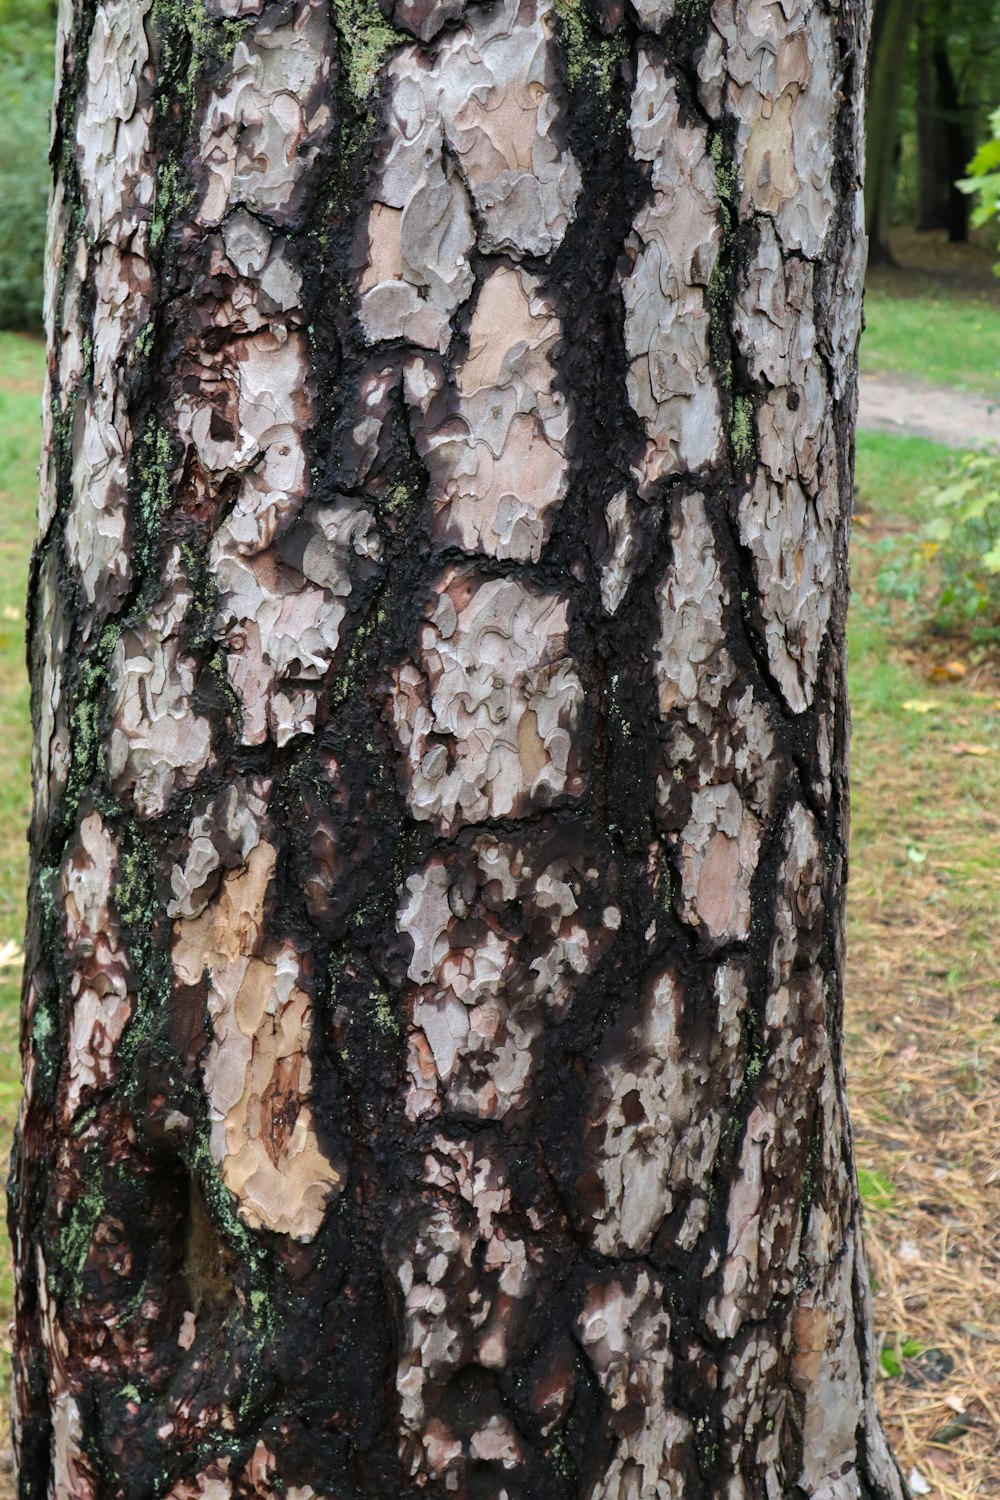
<point>432,1027</point>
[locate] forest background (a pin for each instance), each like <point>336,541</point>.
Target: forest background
<point>923,981</point>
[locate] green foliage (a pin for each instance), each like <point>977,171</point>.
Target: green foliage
<point>968,33</point>
<point>893,1356</point>
<point>950,567</point>
<point>983,180</point>
<point>27,35</point>
<point>876,1191</point>
<point>960,544</point>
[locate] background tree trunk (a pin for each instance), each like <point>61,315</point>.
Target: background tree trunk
<point>932,151</point>
<point>432,1024</point>
<point>944,142</point>
<point>890,39</point>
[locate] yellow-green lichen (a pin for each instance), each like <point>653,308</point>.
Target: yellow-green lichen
<point>726,172</point>
<point>87,749</point>
<point>154,475</point>
<point>385,1017</point>
<point>741,429</point>
<point>187,30</point>
<point>143,346</point>
<point>135,890</point>
<point>77,1234</point>
<point>590,58</point>
<point>365,37</point>
<point>168,198</point>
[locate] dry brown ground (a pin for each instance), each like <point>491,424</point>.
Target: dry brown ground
<point>926,262</point>
<point>924,1060</point>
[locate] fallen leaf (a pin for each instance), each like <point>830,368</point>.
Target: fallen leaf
<point>11,956</point>
<point>919,706</point>
<point>950,671</point>
<point>916,856</point>
<point>918,1484</point>
<point>958,1427</point>
<point>963,747</point>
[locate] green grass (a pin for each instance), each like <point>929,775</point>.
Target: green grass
<point>876,1192</point>
<point>943,340</point>
<point>910,789</point>
<point>21,370</point>
<point>895,476</point>
<point>895,481</point>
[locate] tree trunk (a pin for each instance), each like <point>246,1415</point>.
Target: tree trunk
<point>890,38</point>
<point>932,151</point>
<point>958,145</point>
<point>943,141</point>
<point>432,1030</point>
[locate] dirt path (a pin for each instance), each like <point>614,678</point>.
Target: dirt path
<point>910,409</point>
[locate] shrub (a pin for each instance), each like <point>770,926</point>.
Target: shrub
<point>962,543</point>
<point>983,181</point>
<point>26,65</point>
<point>950,569</point>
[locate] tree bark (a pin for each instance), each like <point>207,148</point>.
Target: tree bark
<point>432,1030</point>
<point>890,39</point>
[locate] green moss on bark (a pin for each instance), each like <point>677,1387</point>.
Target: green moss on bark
<point>741,429</point>
<point>87,747</point>
<point>77,1233</point>
<point>592,59</point>
<point>364,38</point>
<point>189,37</point>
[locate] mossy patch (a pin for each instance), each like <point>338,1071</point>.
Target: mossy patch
<point>76,1235</point>
<point>591,59</point>
<point>384,1016</point>
<point>365,37</point>
<point>87,765</point>
<point>189,37</point>
<point>135,889</point>
<point>170,197</point>
<point>741,429</point>
<point>154,477</point>
<point>726,170</point>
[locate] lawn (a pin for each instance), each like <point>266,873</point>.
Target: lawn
<point>939,338</point>
<point>21,368</point>
<point>923,1040</point>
